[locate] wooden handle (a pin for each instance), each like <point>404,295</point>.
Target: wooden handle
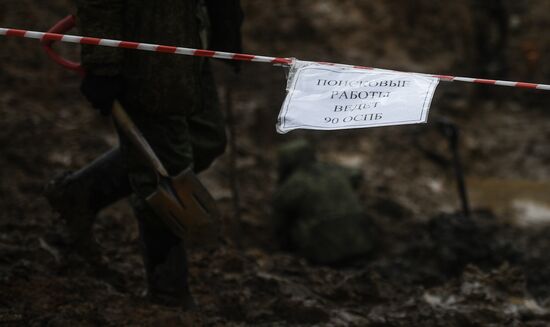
<point>126,124</point>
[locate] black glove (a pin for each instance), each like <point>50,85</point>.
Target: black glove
<point>101,91</point>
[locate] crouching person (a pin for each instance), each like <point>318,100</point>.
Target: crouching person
<point>317,213</point>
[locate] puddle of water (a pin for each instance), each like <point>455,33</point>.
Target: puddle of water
<point>526,202</point>
<point>530,212</point>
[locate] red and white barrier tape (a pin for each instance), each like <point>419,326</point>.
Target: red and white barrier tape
<point>227,55</point>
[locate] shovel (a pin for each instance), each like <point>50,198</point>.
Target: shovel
<point>182,202</point>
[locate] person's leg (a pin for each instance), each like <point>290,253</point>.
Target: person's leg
<point>181,137</point>
<point>207,125</point>
<point>163,252</point>
<point>80,195</point>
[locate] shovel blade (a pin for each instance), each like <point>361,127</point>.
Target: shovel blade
<point>187,207</point>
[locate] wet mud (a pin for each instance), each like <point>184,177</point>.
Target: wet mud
<point>430,266</point>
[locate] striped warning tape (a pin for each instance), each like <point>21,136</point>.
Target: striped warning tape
<point>227,55</point>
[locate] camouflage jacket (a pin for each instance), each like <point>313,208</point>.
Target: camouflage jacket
<point>157,82</point>
<point>318,214</point>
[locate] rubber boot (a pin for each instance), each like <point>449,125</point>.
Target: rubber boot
<point>79,196</point>
<point>165,260</point>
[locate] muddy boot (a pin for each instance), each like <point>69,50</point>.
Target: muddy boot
<point>167,280</point>
<point>165,260</point>
<point>79,196</point>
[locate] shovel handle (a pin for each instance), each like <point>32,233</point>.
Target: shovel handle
<point>126,124</point>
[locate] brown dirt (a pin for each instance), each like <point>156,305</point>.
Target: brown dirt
<point>431,266</point>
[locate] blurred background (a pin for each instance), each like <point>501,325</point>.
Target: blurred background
<point>419,275</point>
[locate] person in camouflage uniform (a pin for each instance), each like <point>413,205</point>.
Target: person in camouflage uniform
<point>171,99</point>
<point>316,210</point>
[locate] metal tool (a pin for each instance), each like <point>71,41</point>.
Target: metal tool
<point>450,131</point>
<point>183,203</point>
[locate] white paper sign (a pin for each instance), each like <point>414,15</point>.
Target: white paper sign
<point>324,97</point>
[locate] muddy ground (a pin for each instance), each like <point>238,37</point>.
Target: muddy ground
<point>431,266</point>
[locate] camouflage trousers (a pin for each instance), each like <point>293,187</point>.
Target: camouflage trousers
<point>194,137</point>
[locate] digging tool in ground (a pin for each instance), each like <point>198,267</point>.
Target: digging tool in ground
<point>450,131</point>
